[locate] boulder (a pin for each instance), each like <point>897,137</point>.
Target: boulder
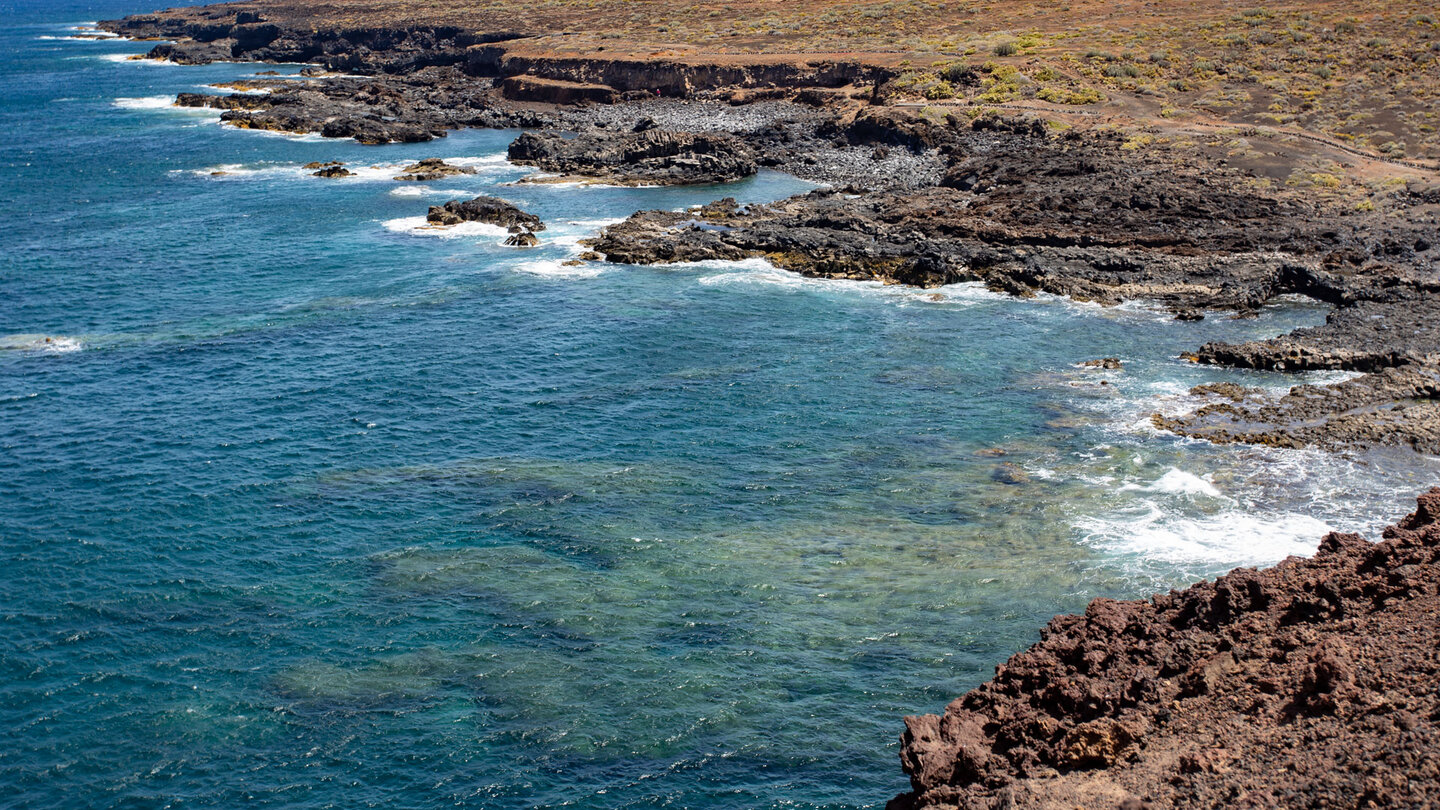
<point>490,210</point>
<point>431,169</point>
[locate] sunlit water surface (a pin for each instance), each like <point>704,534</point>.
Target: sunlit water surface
<point>304,506</point>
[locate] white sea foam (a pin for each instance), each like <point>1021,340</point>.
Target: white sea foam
<point>254,91</point>
<point>558,269</point>
<point>569,234</point>
<point>40,343</point>
<point>491,161</point>
<point>133,59</point>
<point>1179,482</point>
<point>145,103</point>
<point>409,190</point>
<point>418,226</point>
<point>313,137</point>
<point>246,171</point>
<point>1229,538</point>
<point>750,272</point>
<point>759,272</point>
<point>83,33</point>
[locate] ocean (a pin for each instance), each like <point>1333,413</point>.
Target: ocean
<point>303,505</point>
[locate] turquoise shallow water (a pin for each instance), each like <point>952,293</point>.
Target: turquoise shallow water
<point>303,507</point>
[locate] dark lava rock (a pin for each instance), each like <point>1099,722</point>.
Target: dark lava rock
<point>1310,684</point>
<point>647,157</point>
<point>414,108</point>
<point>431,169</point>
<point>490,210</point>
<point>332,169</point>
<point>523,239</point>
<point>1107,363</point>
<point>238,101</point>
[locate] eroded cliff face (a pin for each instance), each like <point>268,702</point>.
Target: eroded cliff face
<point>1315,683</point>
<point>233,31</point>
<point>226,32</point>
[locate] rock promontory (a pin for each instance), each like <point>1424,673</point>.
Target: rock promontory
<point>1311,684</point>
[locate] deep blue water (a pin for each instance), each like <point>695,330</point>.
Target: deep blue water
<point>303,507</point>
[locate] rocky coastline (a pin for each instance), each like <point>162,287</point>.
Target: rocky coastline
<point>1310,684</point>
<point>1011,201</point>
<point>1112,709</point>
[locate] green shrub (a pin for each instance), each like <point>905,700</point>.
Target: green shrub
<point>1006,48</point>
<point>959,73</point>
<point>939,90</point>
<point>1125,71</point>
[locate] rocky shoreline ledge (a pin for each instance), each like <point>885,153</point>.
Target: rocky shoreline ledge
<point>1311,684</point>
<point>1025,205</point>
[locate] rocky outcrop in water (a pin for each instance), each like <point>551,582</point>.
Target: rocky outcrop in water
<point>489,210</point>
<point>1311,684</point>
<point>427,169</point>
<point>651,157</point>
<point>1395,407</point>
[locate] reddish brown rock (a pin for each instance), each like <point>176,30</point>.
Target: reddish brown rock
<point>1315,683</point>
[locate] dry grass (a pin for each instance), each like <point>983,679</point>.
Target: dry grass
<point>1368,74</point>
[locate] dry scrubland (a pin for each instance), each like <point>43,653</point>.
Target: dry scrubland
<point>1366,75</point>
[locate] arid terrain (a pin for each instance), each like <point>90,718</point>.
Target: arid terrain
<point>1365,76</point>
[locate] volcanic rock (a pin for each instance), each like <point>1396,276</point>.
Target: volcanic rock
<point>489,210</point>
<point>431,169</point>
<point>332,169</point>
<point>1311,684</point>
<point>647,157</point>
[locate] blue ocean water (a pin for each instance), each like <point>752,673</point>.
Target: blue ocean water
<point>304,506</point>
